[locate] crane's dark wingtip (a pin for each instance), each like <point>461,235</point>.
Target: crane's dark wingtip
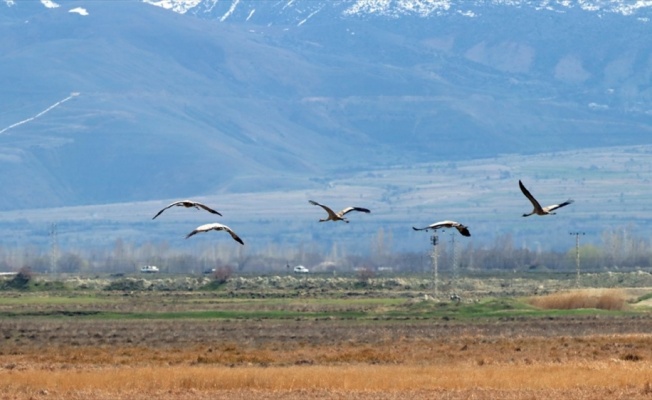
<point>521,186</point>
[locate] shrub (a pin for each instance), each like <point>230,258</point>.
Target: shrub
<point>127,284</point>
<point>365,275</point>
<point>22,279</point>
<point>631,357</point>
<point>222,274</point>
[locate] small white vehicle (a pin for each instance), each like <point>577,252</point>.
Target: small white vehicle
<point>300,269</point>
<point>149,269</point>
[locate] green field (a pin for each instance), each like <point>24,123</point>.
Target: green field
<point>289,298</point>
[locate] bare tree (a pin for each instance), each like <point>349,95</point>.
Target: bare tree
<point>71,263</point>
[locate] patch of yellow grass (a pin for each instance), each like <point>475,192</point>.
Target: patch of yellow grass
<point>463,367</point>
<point>612,374</point>
<point>603,299</point>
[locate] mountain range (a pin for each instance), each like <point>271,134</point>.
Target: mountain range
<point>130,102</point>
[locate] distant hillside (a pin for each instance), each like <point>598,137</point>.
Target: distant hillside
<point>610,186</point>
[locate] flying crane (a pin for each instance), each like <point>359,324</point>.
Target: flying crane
<point>188,204</point>
<point>538,210</point>
<point>215,227</point>
<point>462,229</point>
<point>339,216</point>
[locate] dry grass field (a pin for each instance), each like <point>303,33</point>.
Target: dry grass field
<point>603,299</point>
<point>63,347</point>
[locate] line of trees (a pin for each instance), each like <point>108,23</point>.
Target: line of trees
<point>618,249</point>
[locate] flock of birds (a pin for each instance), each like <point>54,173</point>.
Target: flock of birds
<point>339,216</point>
<point>202,228</point>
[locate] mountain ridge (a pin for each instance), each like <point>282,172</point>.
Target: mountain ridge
<point>306,9</point>
<point>172,105</point>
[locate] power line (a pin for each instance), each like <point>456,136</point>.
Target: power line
<point>434,239</point>
<point>454,262</point>
<point>54,248</point>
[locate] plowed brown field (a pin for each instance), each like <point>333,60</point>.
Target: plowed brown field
<point>578,357</point>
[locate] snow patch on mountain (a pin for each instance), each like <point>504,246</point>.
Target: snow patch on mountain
<point>179,6</point>
<point>429,7</point>
<point>50,4</point>
<point>384,7</point>
<point>396,8</point>
<point>231,10</point>
<point>79,10</point>
<point>629,9</point>
<point>303,21</point>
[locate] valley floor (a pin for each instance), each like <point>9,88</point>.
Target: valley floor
<point>264,342</point>
<point>579,357</point>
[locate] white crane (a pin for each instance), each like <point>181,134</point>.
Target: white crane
<point>188,204</point>
<point>538,210</point>
<point>446,224</point>
<point>215,227</point>
<point>333,216</point>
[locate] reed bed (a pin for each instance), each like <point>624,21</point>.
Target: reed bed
<point>601,299</point>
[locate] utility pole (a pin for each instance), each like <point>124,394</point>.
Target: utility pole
<point>454,262</point>
<point>434,239</point>
<point>577,256</point>
<point>54,248</point>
